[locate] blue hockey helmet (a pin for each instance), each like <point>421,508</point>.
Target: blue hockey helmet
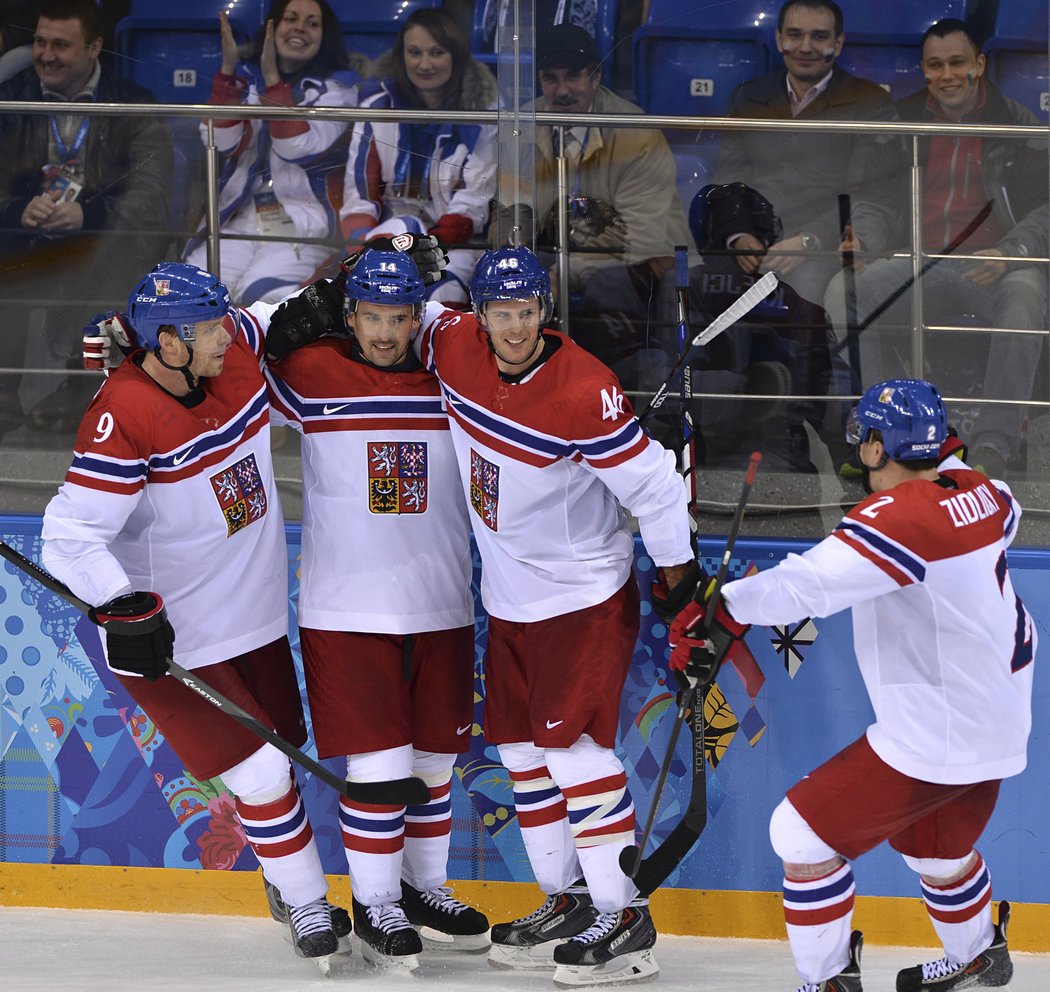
<point>510,274</point>
<point>387,278</point>
<point>908,413</point>
<point>178,295</point>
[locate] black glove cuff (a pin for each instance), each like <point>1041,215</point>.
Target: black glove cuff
<point>133,614</point>
<point>687,588</point>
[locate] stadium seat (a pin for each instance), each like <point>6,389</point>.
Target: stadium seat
<point>689,56</point>
<point>374,24</point>
<point>882,40</point>
<point>175,52</point>
<point>483,36</point>
<point>1017,55</point>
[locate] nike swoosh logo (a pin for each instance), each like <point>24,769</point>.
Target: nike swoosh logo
<point>179,459</point>
<point>556,723</point>
<point>334,409</point>
<point>463,730</point>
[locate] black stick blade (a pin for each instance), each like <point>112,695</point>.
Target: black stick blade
<point>396,792</point>
<point>630,860</point>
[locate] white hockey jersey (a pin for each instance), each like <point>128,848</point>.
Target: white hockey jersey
<point>386,537</point>
<point>180,501</point>
<point>944,644</point>
<point>548,464</point>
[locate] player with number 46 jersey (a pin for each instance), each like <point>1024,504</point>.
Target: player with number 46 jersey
<point>946,649</point>
<point>549,455</point>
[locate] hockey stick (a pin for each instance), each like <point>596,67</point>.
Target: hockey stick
<point>911,280</point>
<point>681,258</point>
<point>849,279</point>
<point>396,792</point>
<point>649,873</point>
<point>747,302</point>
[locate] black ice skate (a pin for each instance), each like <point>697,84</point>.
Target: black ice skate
<point>529,942</point>
<point>615,949</point>
<point>387,938</point>
<point>340,917</point>
<point>458,927</point>
<point>311,929</point>
<point>991,968</point>
<point>847,980</point>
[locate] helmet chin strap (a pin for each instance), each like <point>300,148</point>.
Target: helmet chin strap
<point>866,470</point>
<point>191,381</point>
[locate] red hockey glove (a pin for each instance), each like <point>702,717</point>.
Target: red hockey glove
<point>108,338</point>
<point>139,638</point>
<point>952,445</point>
<point>697,658</point>
<point>667,602</point>
<point>453,229</point>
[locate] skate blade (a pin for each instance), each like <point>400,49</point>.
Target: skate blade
<point>536,957</point>
<point>335,965</point>
<point>473,943</point>
<point>630,969</point>
<point>387,963</point>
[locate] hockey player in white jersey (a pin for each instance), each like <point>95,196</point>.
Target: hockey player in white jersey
<point>385,606</point>
<point>549,455</point>
<point>170,508</point>
<point>945,647</point>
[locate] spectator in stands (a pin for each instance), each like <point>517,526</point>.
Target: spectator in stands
<point>990,192</point>
<point>625,212</point>
<point>436,177</point>
<point>83,206</point>
<point>803,173</point>
<point>280,178</point>
<point>779,348</point>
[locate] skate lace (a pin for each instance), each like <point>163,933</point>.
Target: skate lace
<point>600,928</point>
<point>314,917</point>
<point>389,917</point>
<point>538,913</point>
<point>808,987</point>
<point>441,898</point>
<point>939,969</point>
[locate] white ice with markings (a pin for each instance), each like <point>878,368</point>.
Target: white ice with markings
<point>48,950</point>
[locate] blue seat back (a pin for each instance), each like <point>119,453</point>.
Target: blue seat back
<point>370,26</point>
<point>689,56</point>
<point>483,35</point>
<point>174,54</point>
<point>882,40</point>
<point>1017,55</point>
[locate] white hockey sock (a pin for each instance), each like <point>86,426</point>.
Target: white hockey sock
<point>428,827</point>
<point>283,841</point>
<point>601,817</point>
<point>961,912</point>
<point>819,917</point>
<point>373,835</point>
<point>542,818</point>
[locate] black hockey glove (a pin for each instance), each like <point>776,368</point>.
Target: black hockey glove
<point>316,311</point>
<point>139,639</point>
<point>423,249</point>
<point>668,603</point>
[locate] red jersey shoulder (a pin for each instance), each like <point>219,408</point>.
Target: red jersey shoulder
<point>122,414</point>
<point>937,522</point>
<point>595,393</point>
